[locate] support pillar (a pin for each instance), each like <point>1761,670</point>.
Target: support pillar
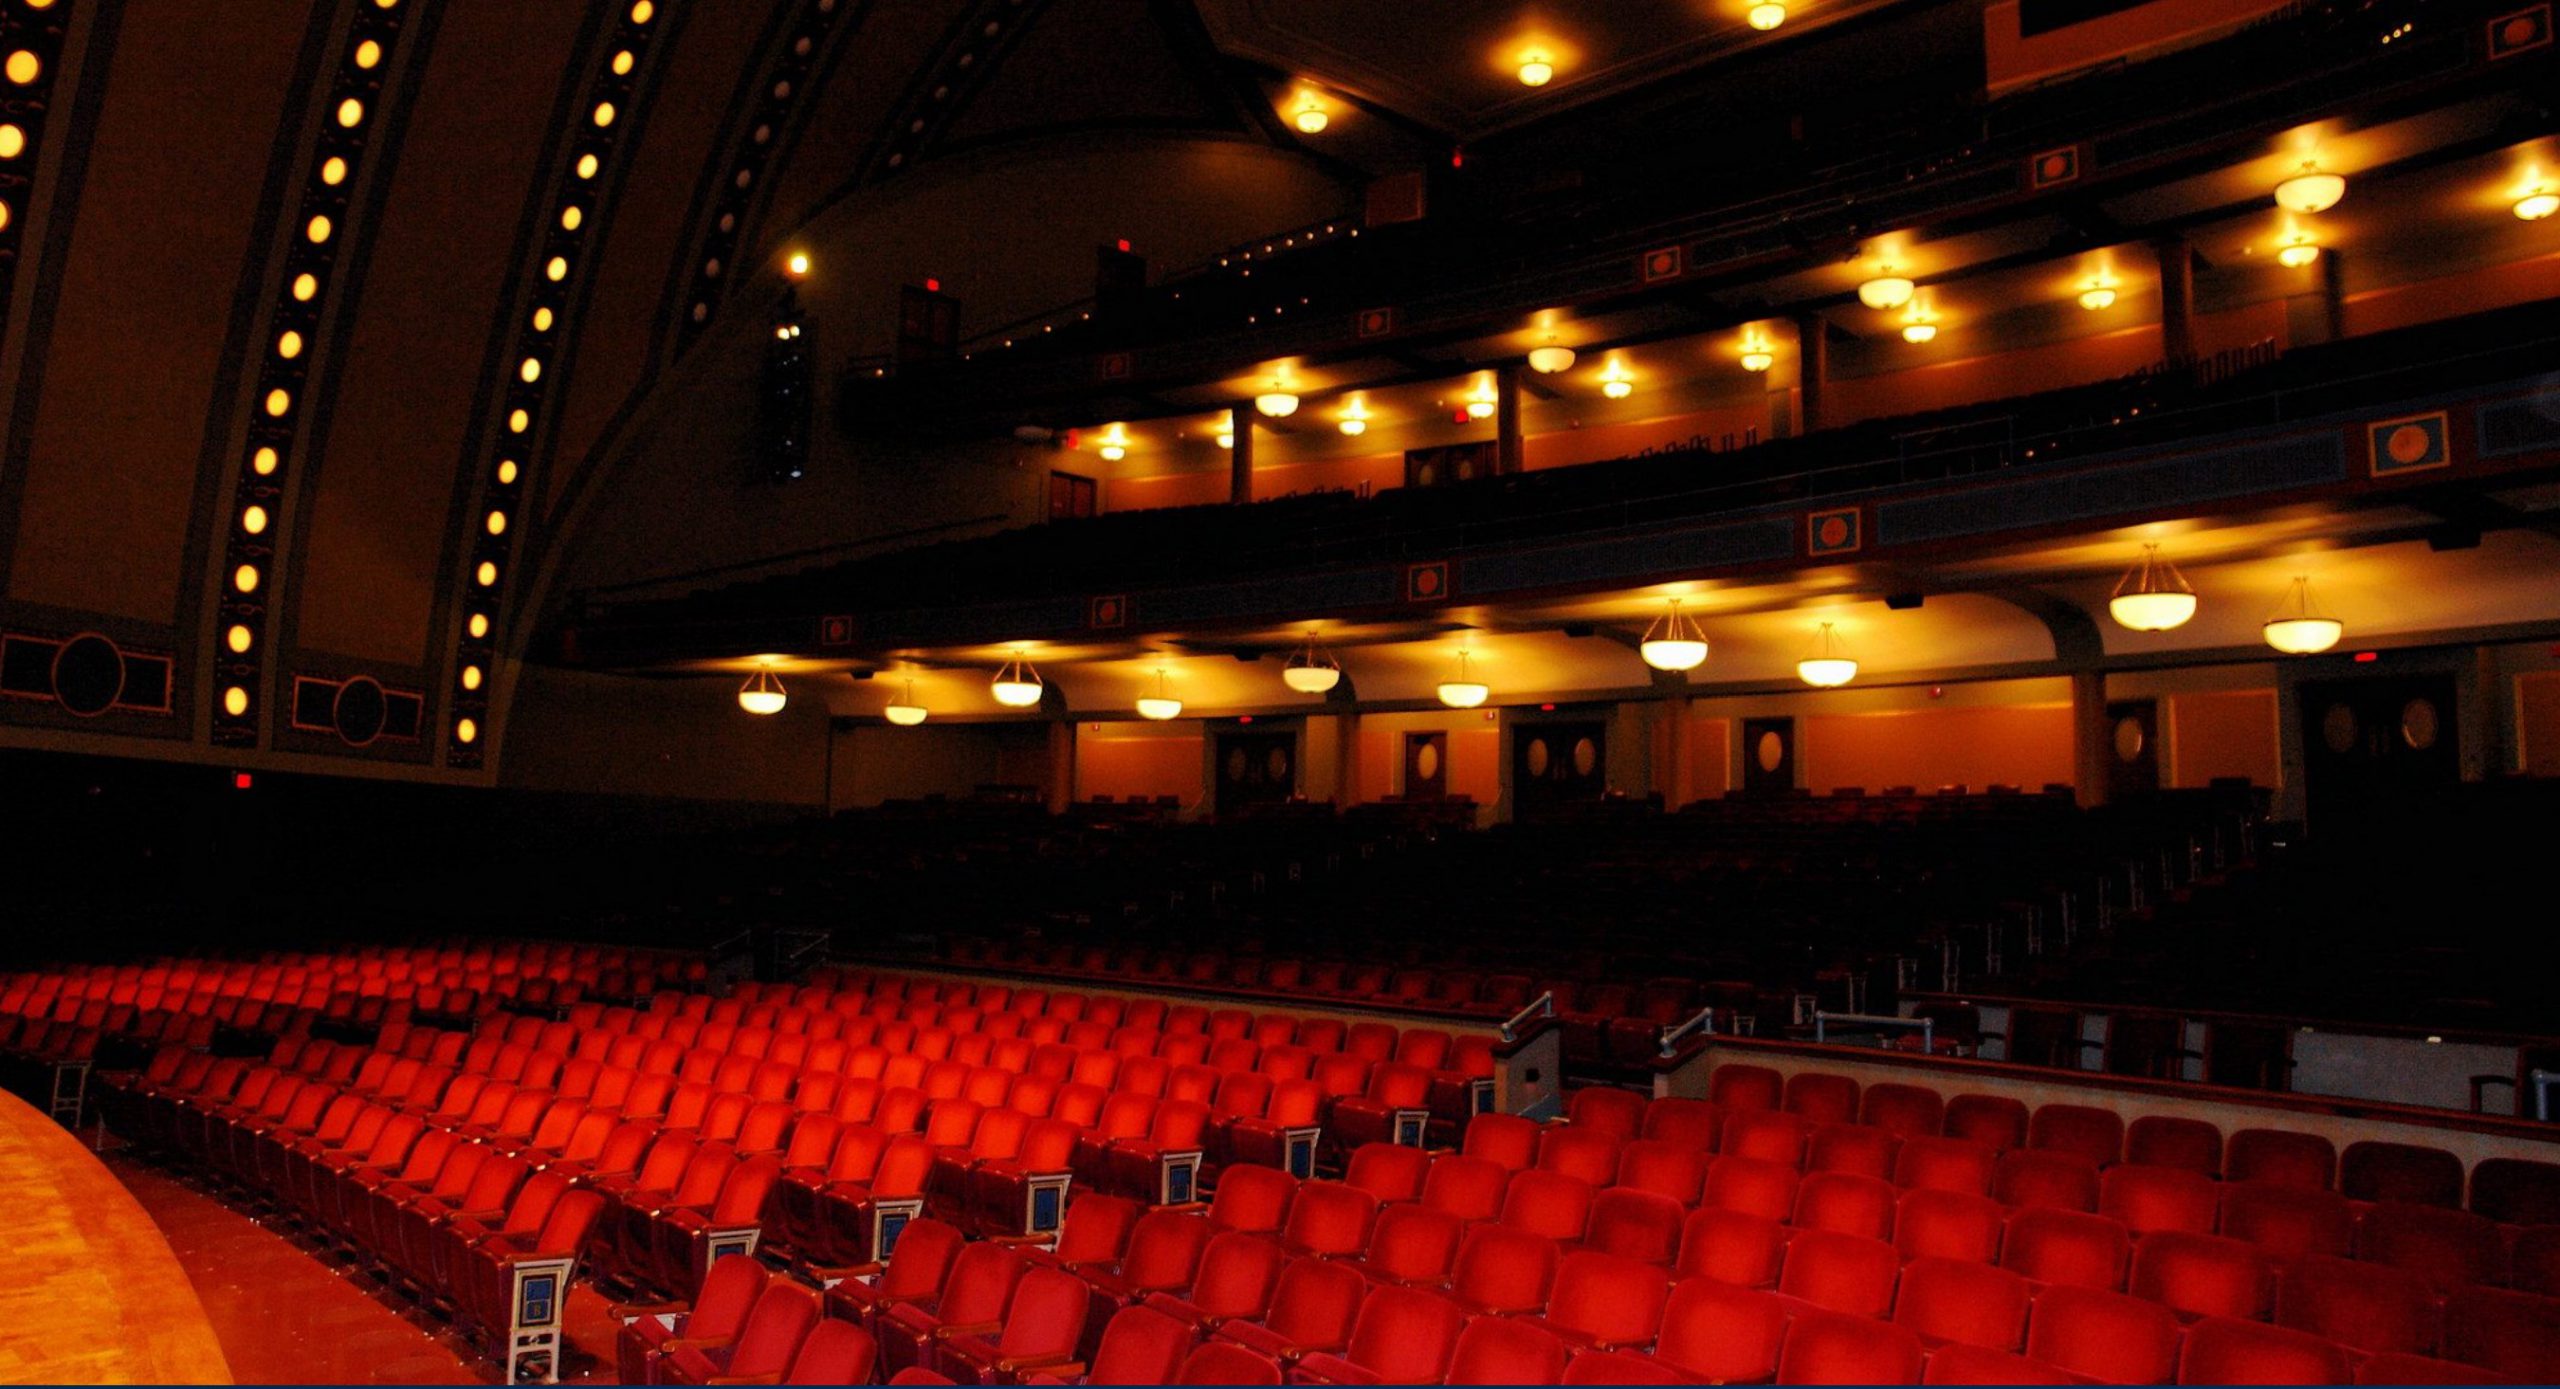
<point>1813,369</point>
<point>1508,451</point>
<point>2090,737</point>
<point>1062,766</point>
<point>2333,295</point>
<point>1240,458</point>
<point>1346,755</point>
<point>2177,300</point>
<point>1679,785</point>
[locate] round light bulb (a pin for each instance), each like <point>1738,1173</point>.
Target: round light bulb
<point>1767,16</point>
<point>905,715</point>
<point>1311,119</point>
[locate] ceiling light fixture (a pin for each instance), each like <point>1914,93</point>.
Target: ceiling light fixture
<point>2098,293</point>
<point>1756,354</point>
<point>1226,427</point>
<point>2152,596</point>
<point>762,694</point>
<point>1481,401</point>
<point>1919,325</point>
<point>1115,444</point>
<point>1886,291</point>
<point>2298,251</point>
<point>2299,627</point>
<point>1536,69</point>
<point>1159,706</point>
<point>1355,417</point>
<point>1277,403</point>
<point>904,711</point>
<point>1018,684</point>
<point>1465,692</point>
<point>1767,15</point>
<point>2535,201</point>
<point>1615,381</point>
<point>1830,669</point>
<point>2310,190</point>
<point>1310,117</point>
<point>1549,357</point>
<point>797,264</point>
<point>1311,669</point>
<point>1673,642</point>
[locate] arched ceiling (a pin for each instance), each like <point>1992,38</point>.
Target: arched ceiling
<point>318,313</point>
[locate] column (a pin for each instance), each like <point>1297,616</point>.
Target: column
<point>1346,753</point>
<point>1062,765</point>
<point>1507,448</point>
<point>1240,458</point>
<point>2177,299</point>
<point>2333,294</point>
<point>2091,738</point>
<point>1679,785</point>
<point>1813,369</point>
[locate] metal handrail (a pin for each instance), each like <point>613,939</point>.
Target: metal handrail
<point>1928,1026</point>
<point>1544,1006</point>
<point>1704,1020</point>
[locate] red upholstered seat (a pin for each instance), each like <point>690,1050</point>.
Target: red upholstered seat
<point>2513,1333</point>
<point>1840,1273</point>
<point>2448,1248</point>
<point>1770,1135</point>
<point>1722,1334</point>
<point>1949,1225</point>
<point>1162,1257</point>
<point>1975,1304</point>
<point>2203,1275</point>
<point>1849,1205</point>
<point>2107,1337</point>
<point>2089,1132</point>
<point>2148,1198</point>
<point>1388,1171</point>
<point>1735,1086</point>
<point>2057,1246</point>
<point>1822,1097</point>
<point>2401,1172</point>
<point>782,1318</point>
<point>1640,1225</point>
<point>1139,1346</point>
<point>1605,1301</point>
<point>2223,1350</point>
<point>1607,1109</point>
<point>2516,1191</point>
<point>2163,1140</point>
<point>2395,1368</point>
<point>972,1302</point>
<point>1502,1270</point>
<point>1998,1122</point>
<point>1043,1322</point>
<point>1505,1139</point>
<point>2287,1220</point>
<point>834,1352</point>
<point>1470,1188</point>
<point>1312,1310</point>
<point>1858,1149</point>
<point>1731,1247</point>
<point>1235,1280</point>
<point>2280,1157</point>
<point>1827,1348</point>
<point>1664,1167</point>
<point>713,1319</point>
<point>1548,1203</point>
<point>1496,1350</point>
<point>1752,1186</point>
<point>1254,1199</point>
<point>1960,1364</point>
<point>1690,1123</point>
<point>1620,1367</point>
<point>1401,1336</point>
<point>1906,1111</point>
<point>2370,1307</point>
<point>1590,1155</point>
<point>2029,1177</point>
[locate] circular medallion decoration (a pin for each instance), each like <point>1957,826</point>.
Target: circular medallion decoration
<point>2407,444</point>
<point>1537,757</point>
<point>88,674</point>
<point>2338,728</point>
<point>1235,764</point>
<point>1426,761</point>
<point>2129,740</point>
<point>1833,532</point>
<point>1771,751</point>
<point>2420,725</point>
<point>1586,756</point>
<point>359,711</point>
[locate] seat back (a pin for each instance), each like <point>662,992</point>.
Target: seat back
<point>780,1321</point>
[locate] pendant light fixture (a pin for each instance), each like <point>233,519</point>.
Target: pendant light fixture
<point>1550,357</point>
<point>1017,685</point>
<point>1615,381</point>
<point>1310,117</point>
<point>1767,15</point>
<point>904,711</point>
<point>2535,201</point>
<point>1355,417</point>
<point>2310,190</point>
<point>2299,627</point>
<point>1886,291</point>
<point>1159,706</point>
<point>762,694</point>
<point>1481,401</point>
<point>1226,430</point>
<point>1465,692</point>
<point>1673,642</point>
<point>1115,444</point>
<point>2098,293</point>
<point>2298,250</point>
<point>1828,670</point>
<point>1311,669</point>
<point>1277,402</point>
<point>1757,356</point>
<point>2152,596</point>
<point>1919,325</point>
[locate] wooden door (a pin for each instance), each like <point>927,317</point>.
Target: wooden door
<point>1554,764</point>
<point>2378,749</point>
<point>1426,766</point>
<point>1768,756</point>
<point>1256,769</point>
<point>2133,748</point>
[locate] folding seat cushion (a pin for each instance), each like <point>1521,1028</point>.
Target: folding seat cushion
<point>1043,1322</point>
<point>1665,1168</point>
<point>2090,1132</point>
<point>1998,1122</point>
<point>782,1318</point>
<point>1388,1171</point>
<point>1948,1225</point>
<point>1845,1204</point>
<point>2515,1191</point>
<point>1328,1220</point>
<point>1946,1164</point>
<point>1736,1086</point>
<point>1822,1098</point>
<point>1548,1203</point>
<point>2400,1172</point>
<point>1470,1188</point>
<point>1752,1186</point>
<point>1501,1270</point>
<point>1506,1139</point>
<point>2147,1198</point>
<point>1640,1225</point>
<point>2533,1262</point>
<point>1690,1123</point>
<point>2029,1177</point>
<point>1949,1300</point>
<point>834,1352</point>
<point>719,1308</point>
<point>1590,1155</point>
<point>2287,1220</point>
<point>2448,1248</point>
<point>2203,1275</point>
<point>1252,1199</point>
<point>915,1272</point>
<point>2370,1307</point>
<point>2164,1140</point>
<point>1771,1135</point>
<point>2107,1337</point>
<point>1619,1367</point>
<point>683,1232</point>
<point>1963,1364</point>
<point>1828,1348</point>
<point>1731,1247</point>
<point>1859,1149</point>
<point>2281,1157</point>
<point>1905,1111</point>
<point>1095,1231</point>
<point>1604,1301</point>
<point>1607,1109</point>
<point>1401,1336</point>
<point>1840,1273</point>
<point>1496,1350</point>
<point>2391,1367</point>
<point>2067,1247</point>
<point>1313,1307</point>
<point>1222,1363</point>
<point>1720,1334</point>
<point>972,1302</point>
<point>2225,1350</point>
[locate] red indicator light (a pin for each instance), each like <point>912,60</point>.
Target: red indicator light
<point>1244,718</point>
<point>1124,243</point>
<point>241,781</point>
<point>2367,657</point>
<point>932,285</point>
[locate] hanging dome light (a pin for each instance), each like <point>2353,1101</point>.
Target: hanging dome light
<point>1481,401</point>
<point>1226,428</point>
<point>1886,291</point>
<point>1276,403</point>
<point>2536,202</point>
<point>2152,596</point>
<point>1767,15</point>
<point>1115,444</point>
<point>1919,325</point>
<point>2310,190</point>
<point>2299,250</point>
<point>1159,706</point>
<point>762,694</point>
<point>1465,692</point>
<point>1549,357</point>
<point>1673,642</point>
<point>1017,685</point>
<point>1312,669</point>
<point>904,711</point>
<point>2299,628</point>
<point>1355,417</point>
<point>1827,671</point>
<point>1756,355</point>
<point>1310,117</point>
<point>1615,382</point>
<point>2099,293</point>
<point>1536,69</point>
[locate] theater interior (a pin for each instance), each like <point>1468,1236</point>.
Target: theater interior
<point>1233,692</point>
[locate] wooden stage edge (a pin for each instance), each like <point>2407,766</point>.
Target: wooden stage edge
<point>94,1294</point>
